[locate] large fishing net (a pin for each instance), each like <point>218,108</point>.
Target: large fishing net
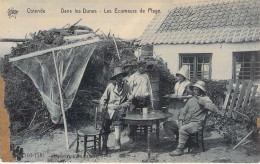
<point>70,63</point>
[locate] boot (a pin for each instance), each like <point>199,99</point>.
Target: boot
<point>131,140</point>
<point>177,152</point>
<point>104,146</point>
<point>117,144</point>
<point>117,137</point>
<point>131,134</point>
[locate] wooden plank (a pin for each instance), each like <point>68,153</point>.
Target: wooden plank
<point>228,93</point>
<point>232,104</point>
<point>243,139</point>
<point>230,87</point>
<point>241,95</point>
<point>252,97</point>
<point>78,37</point>
<point>241,114</point>
<point>240,98</point>
<point>54,49</point>
<point>248,91</point>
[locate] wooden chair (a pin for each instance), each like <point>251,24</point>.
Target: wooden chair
<point>197,138</point>
<point>239,95</point>
<point>90,132</point>
<point>141,131</point>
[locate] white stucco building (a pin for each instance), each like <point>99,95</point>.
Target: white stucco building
<point>216,40</point>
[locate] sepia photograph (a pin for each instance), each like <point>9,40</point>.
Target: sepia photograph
<point>158,81</point>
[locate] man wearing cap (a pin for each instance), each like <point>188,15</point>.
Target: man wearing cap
<point>129,67</point>
<point>181,92</point>
<point>140,92</point>
<point>191,117</point>
<point>114,104</point>
<point>140,87</point>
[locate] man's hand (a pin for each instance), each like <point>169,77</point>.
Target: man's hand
<point>123,105</point>
<point>180,122</point>
<point>201,101</point>
<point>221,113</point>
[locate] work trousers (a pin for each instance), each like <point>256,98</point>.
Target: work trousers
<point>116,121</point>
<point>173,128</point>
<point>136,103</point>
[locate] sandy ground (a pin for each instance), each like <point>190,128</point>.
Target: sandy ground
<point>51,148</point>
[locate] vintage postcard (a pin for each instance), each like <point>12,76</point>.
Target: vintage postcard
<point>165,81</point>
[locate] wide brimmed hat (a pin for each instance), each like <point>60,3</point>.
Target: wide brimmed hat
<point>184,71</point>
<point>127,63</point>
<point>118,71</point>
<point>141,63</point>
<point>200,84</point>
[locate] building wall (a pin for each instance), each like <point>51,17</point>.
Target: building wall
<point>221,55</point>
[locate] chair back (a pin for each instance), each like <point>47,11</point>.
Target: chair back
<point>96,110</point>
<point>205,121</point>
<point>239,95</point>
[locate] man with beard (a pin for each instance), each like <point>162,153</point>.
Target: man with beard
<point>191,117</point>
<point>114,104</point>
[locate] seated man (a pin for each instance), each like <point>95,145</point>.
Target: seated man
<point>114,104</point>
<point>191,117</point>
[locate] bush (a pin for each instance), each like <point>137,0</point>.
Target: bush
<point>234,130</point>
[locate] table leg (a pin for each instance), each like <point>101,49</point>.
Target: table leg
<point>148,142</point>
<point>157,132</point>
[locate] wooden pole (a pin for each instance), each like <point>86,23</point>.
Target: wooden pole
<point>243,140</point>
<point>61,102</point>
<point>37,53</point>
<point>242,114</point>
<point>116,47</point>
<point>12,40</point>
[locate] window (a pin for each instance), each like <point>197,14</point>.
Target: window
<point>199,65</point>
<point>246,65</point>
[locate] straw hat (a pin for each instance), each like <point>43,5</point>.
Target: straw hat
<point>141,63</point>
<point>184,71</point>
<point>126,63</point>
<point>117,71</point>
<point>200,84</point>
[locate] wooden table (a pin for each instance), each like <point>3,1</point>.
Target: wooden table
<point>148,119</point>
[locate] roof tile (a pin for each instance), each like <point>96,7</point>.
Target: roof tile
<point>233,21</point>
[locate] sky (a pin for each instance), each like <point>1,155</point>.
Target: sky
<point>125,25</point>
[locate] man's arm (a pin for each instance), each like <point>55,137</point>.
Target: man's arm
<point>105,97</point>
<point>150,90</point>
<point>208,104</point>
<point>184,111</point>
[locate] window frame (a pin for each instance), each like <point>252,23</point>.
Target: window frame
<point>252,64</point>
<point>195,62</point>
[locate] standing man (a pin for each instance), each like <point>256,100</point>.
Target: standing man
<point>191,117</point>
<point>114,104</point>
<point>181,92</point>
<point>140,92</point>
<point>129,67</point>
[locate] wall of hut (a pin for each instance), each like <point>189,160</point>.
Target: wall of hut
<point>221,55</point>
